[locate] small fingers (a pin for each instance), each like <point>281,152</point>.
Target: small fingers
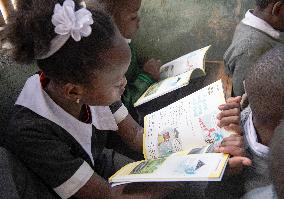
<point>234,137</point>
<point>229,106</point>
<point>227,121</point>
<point>234,99</point>
<point>228,113</point>
<point>234,128</point>
<point>239,162</point>
<point>232,150</point>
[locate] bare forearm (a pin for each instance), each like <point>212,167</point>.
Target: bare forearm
<point>96,187</point>
<point>132,133</point>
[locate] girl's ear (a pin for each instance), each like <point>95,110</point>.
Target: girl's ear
<point>73,92</point>
<point>276,8</point>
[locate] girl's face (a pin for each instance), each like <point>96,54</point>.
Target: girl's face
<point>127,19</point>
<point>109,83</point>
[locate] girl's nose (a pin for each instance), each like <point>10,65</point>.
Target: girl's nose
<point>123,82</point>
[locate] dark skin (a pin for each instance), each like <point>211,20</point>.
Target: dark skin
<point>127,19</point>
<point>229,119</point>
<point>265,130</point>
<point>273,14</point>
<point>105,88</point>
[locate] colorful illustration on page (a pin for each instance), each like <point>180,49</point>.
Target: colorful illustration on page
<point>190,166</point>
<point>169,142</point>
<point>211,132</point>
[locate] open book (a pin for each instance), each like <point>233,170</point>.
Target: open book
<point>179,141</point>
<point>176,74</point>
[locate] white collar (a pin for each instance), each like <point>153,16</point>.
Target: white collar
<point>128,40</point>
<point>37,100</point>
<point>251,137</point>
<point>255,22</point>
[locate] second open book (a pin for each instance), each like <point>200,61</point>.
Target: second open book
<point>176,74</point>
<point>179,140</point>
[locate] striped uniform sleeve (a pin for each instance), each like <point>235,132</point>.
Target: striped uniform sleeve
<point>119,111</point>
<point>49,157</point>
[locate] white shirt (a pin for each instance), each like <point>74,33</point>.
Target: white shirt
<point>251,136</point>
<point>255,22</point>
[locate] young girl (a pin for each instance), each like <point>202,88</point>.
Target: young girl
<point>63,113</point>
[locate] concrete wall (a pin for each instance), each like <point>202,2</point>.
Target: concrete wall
<point>171,28</point>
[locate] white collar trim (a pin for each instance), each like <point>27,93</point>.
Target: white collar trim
<point>255,22</point>
<point>37,100</point>
<point>128,40</point>
<point>251,137</point>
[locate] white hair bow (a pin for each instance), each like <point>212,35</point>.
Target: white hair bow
<point>68,22</point>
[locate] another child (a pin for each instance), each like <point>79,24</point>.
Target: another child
<point>61,118</point>
<point>265,91</point>
<point>276,164</point>
<point>139,78</point>
<point>257,33</point>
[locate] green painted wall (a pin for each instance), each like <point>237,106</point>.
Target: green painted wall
<point>171,28</point>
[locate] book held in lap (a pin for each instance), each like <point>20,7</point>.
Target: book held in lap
<point>179,142</point>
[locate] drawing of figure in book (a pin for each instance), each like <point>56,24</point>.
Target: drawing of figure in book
<point>153,89</point>
<point>190,166</point>
<point>212,133</point>
<point>167,71</point>
<point>148,166</point>
<point>190,66</point>
<point>162,85</point>
<point>169,142</point>
<point>171,82</point>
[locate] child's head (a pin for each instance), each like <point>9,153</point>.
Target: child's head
<point>273,11</point>
<point>264,3</point>
<point>264,87</point>
<point>125,15</point>
<point>91,70</point>
<point>276,160</point>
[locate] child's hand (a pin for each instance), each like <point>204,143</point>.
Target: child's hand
<point>152,67</point>
<point>234,145</point>
<point>229,117</point>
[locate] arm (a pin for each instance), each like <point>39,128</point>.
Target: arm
<point>238,65</point>
<point>128,129</point>
<point>100,189</point>
<point>132,133</point>
<point>44,151</point>
<point>138,80</point>
<point>134,89</point>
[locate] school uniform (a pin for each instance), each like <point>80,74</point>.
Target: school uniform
<point>253,177</point>
<point>252,38</point>
<point>256,175</point>
<point>267,192</point>
<point>62,150</point>
<point>138,81</point>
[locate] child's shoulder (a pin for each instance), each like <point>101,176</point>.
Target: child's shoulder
<point>25,120</point>
<point>261,192</point>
